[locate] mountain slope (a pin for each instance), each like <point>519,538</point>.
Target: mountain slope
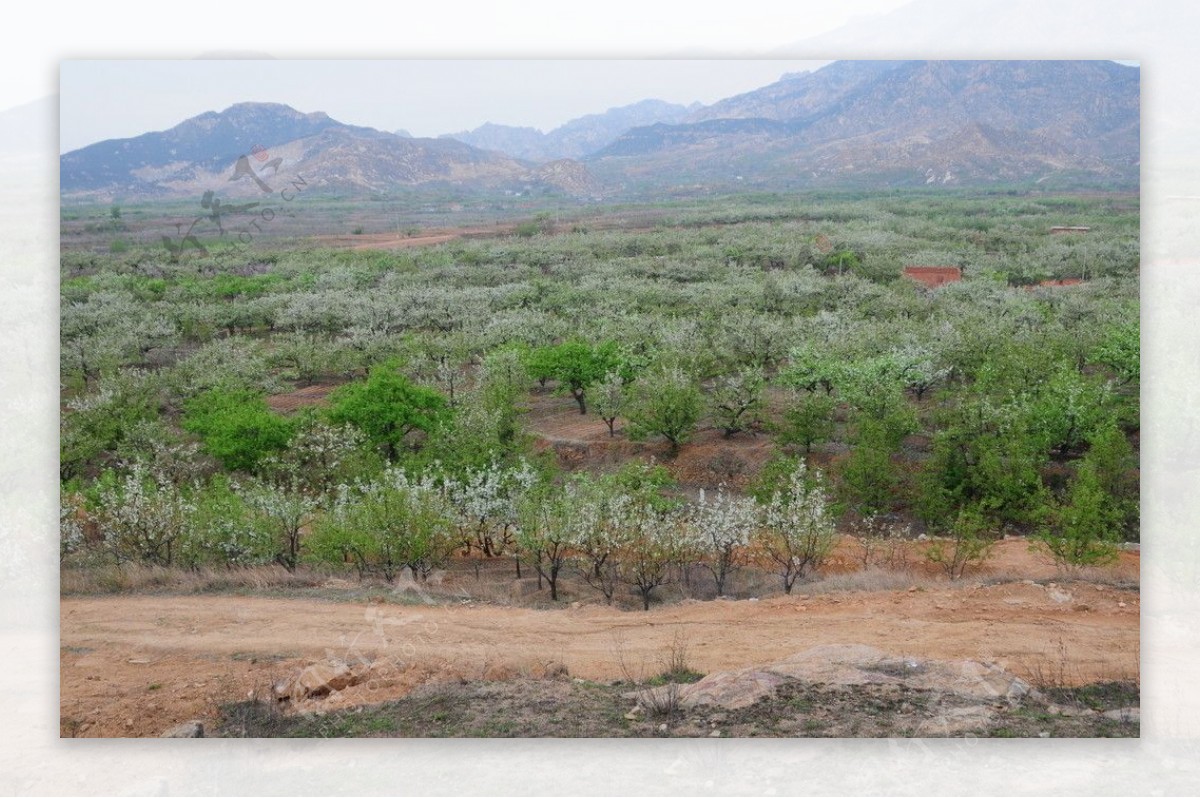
<point>905,123</point>
<point>203,154</point>
<point>208,141</point>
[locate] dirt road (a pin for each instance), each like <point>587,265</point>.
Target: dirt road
<point>137,665</point>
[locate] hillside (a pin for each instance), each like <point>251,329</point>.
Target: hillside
<point>281,145</point>
<point>884,124</point>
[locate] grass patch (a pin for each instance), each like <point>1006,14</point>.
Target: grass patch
<point>562,707</point>
<point>1098,697</point>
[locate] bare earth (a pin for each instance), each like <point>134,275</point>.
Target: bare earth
<point>137,665</point>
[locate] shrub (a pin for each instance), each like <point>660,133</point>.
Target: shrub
<point>969,544</point>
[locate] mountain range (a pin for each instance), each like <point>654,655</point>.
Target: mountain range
<point>884,124</point>
<point>866,124</point>
<point>577,138</point>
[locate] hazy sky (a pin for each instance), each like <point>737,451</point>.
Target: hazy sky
<point>117,99</point>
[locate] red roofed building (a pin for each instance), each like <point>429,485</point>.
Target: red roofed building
<point>933,276</point>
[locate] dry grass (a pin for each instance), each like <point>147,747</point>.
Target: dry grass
<point>872,579</point>
<point>1054,670</point>
<point>658,693</point>
<point>134,578</point>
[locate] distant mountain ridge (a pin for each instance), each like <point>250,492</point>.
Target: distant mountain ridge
<point>575,138</point>
<point>903,123</point>
<point>211,152</point>
<point>861,124</point>
<point>209,141</point>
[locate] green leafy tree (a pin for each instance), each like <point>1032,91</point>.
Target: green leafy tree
<point>811,367</point>
<point>871,476</point>
<point>387,406</point>
<point>665,402</point>
<point>1083,530</point>
<point>808,419</point>
<point>237,427</point>
<point>1068,408</point>
<point>576,365</point>
<point>388,525</point>
<point>1112,459</point>
<point>983,456</point>
<point>1120,350</point>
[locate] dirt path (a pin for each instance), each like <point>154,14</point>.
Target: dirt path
<point>137,665</point>
<point>426,238</point>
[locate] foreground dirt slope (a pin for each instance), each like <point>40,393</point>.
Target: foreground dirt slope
<point>137,665</point>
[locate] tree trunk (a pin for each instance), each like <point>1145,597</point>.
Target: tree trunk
<point>579,397</point>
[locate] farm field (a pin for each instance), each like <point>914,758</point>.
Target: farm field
<point>553,449</point>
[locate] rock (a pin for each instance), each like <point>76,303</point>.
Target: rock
<point>1122,604</point>
<point>1058,596</point>
<point>1124,715</point>
<point>730,689</point>
<point>662,727</point>
<point>1043,735</point>
<point>715,733</point>
<point>317,680</point>
<point>191,728</point>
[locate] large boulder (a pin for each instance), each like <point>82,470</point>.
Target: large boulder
<point>849,665</point>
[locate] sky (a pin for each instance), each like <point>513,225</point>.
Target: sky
<point>424,97</point>
<point>539,28</point>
